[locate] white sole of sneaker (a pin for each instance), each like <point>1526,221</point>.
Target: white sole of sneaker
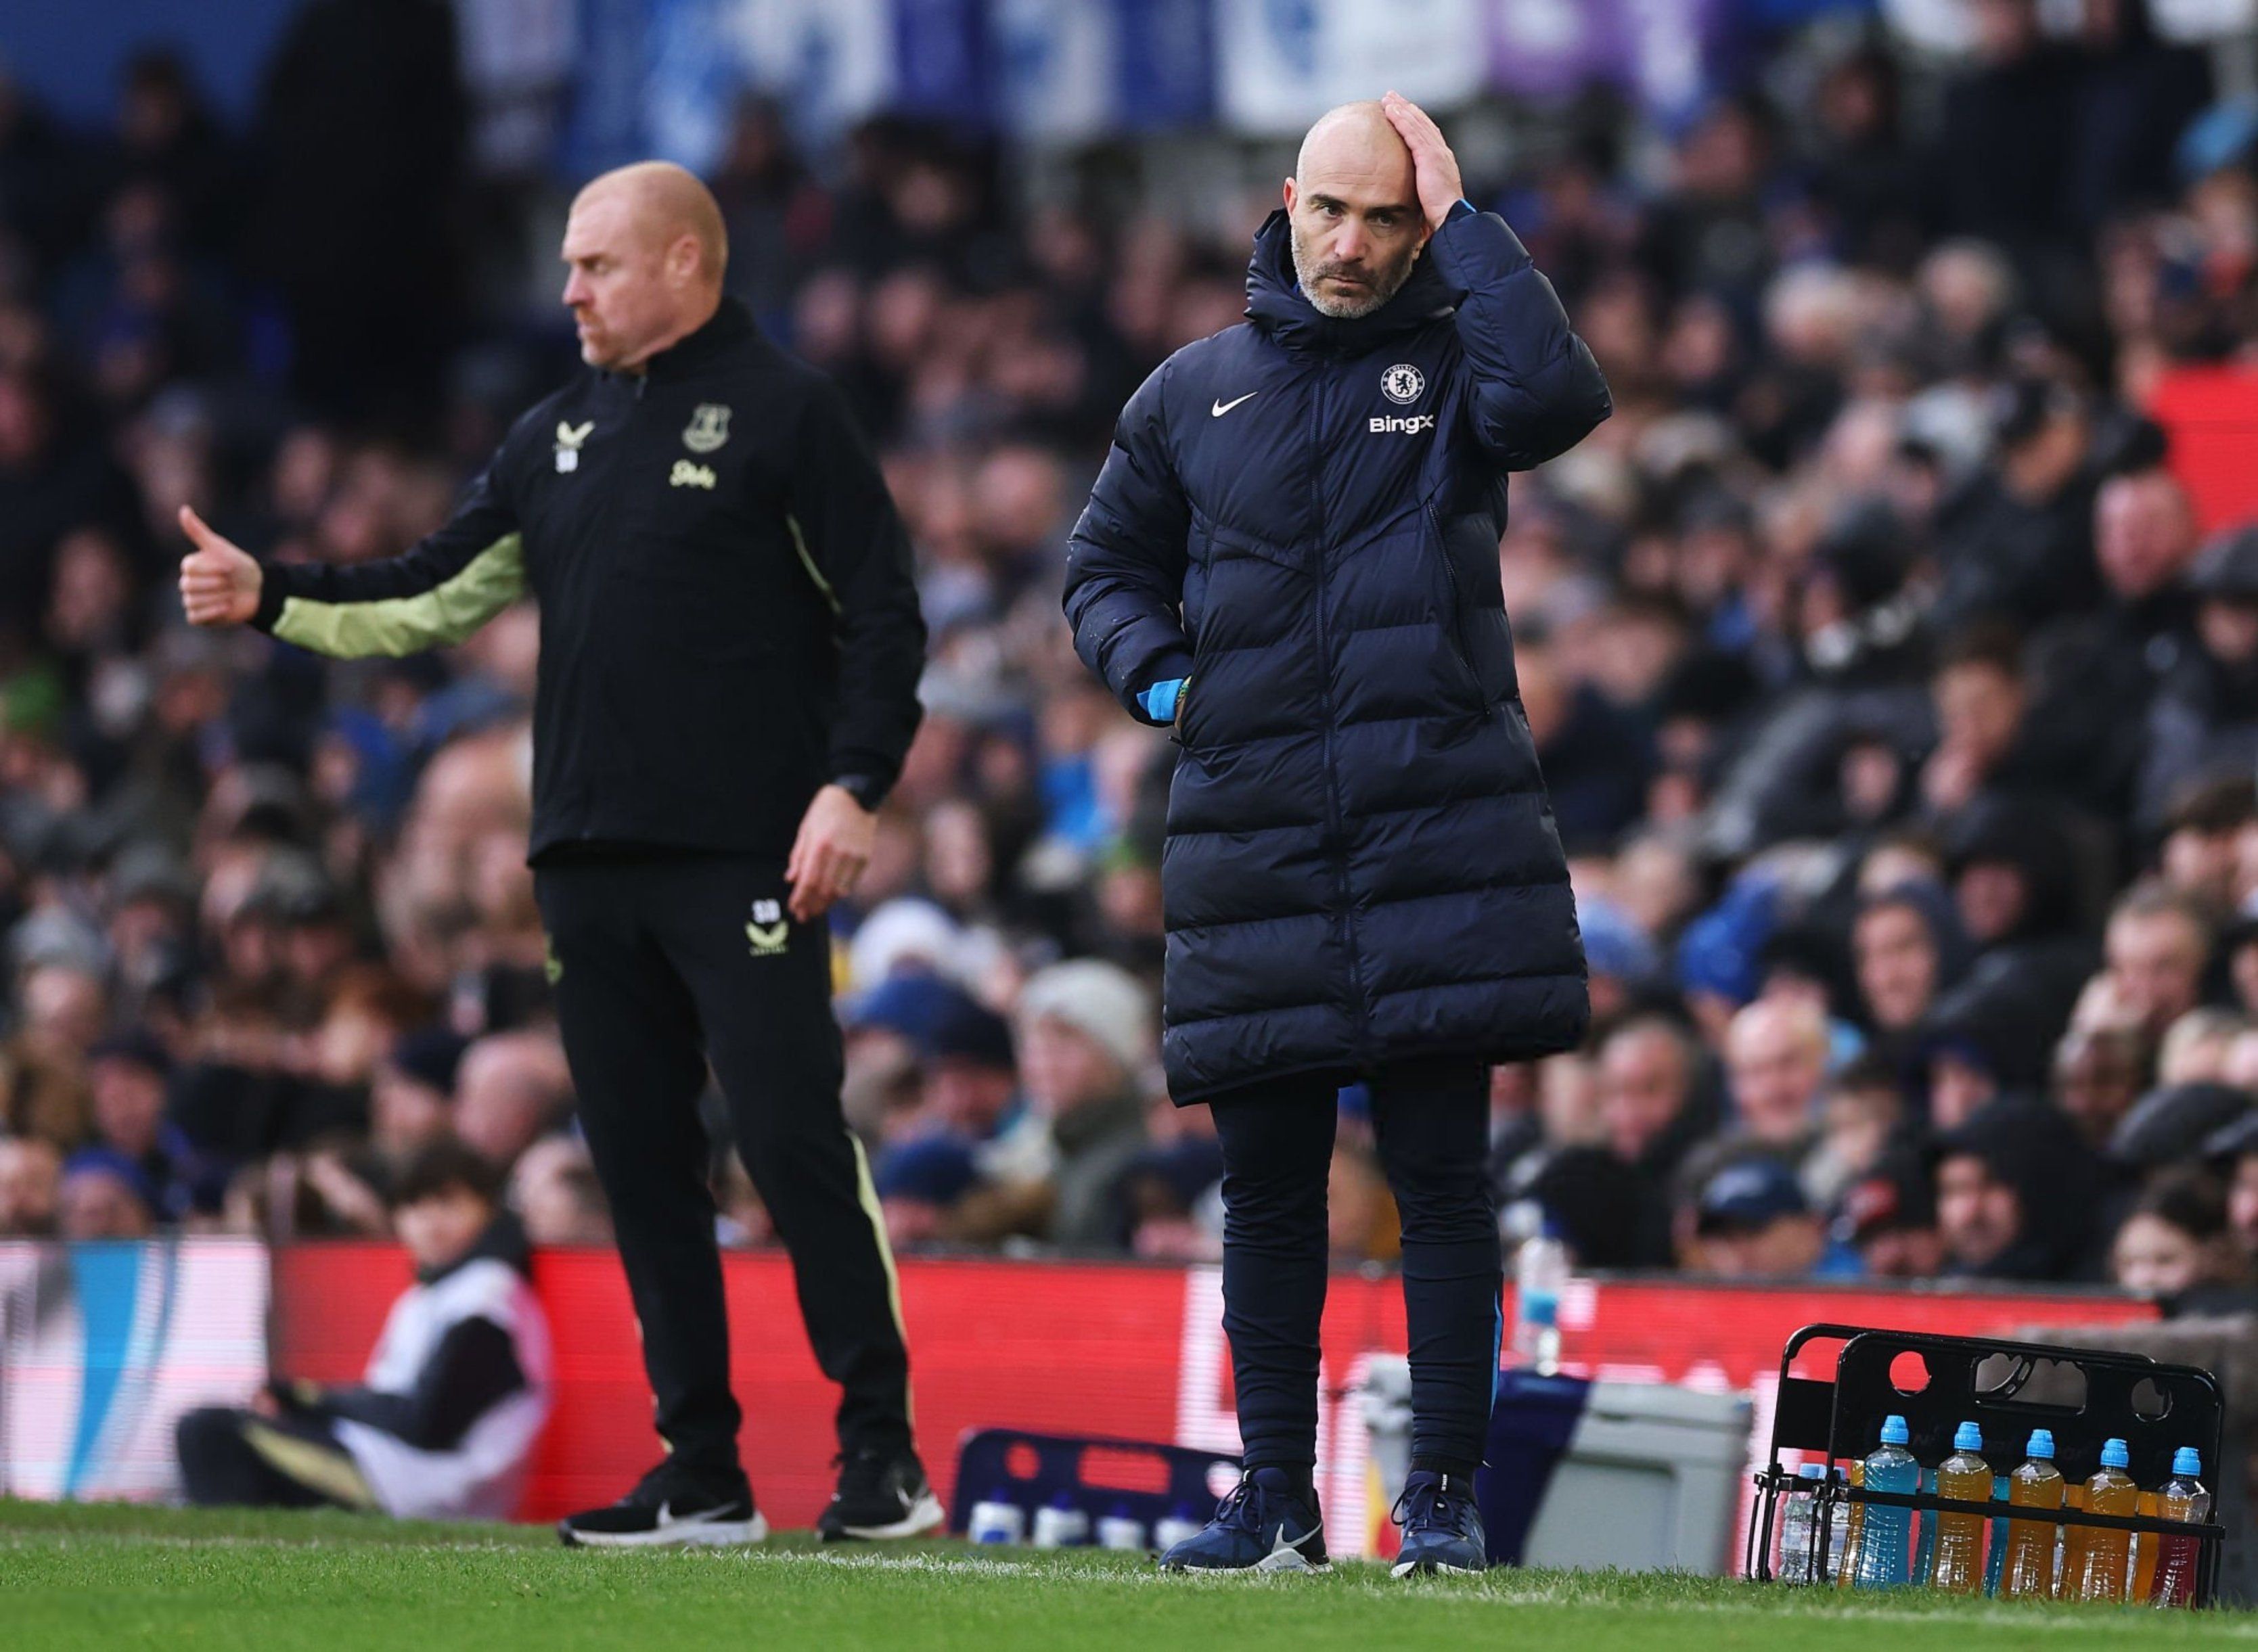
<point>677,1535</point>
<point>925,1516</point>
<point>1413,1569</point>
<point>1288,1564</point>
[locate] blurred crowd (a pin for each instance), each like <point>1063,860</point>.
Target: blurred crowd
<point>1901,725</point>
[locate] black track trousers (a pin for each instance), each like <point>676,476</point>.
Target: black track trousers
<point>662,963</point>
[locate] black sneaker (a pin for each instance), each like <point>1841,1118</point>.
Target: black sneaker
<point>880,1495</point>
<point>669,1506</point>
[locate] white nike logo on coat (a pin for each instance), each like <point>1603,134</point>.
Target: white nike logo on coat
<point>1221,407</point>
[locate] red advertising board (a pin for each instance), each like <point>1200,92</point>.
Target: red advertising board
<point>1122,1350</point>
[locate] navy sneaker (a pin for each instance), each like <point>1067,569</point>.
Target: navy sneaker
<point>1442,1527</point>
<point>1265,1525</point>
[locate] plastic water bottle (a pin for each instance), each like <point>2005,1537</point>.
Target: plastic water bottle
<point>2183,1497</point>
<point>1061,1523</point>
<point>2028,1574</point>
<point>1120,1529</point>
<point>1885,1534</point>
<point>1838,1531</point>
<point>1796,1533</point>
<point>1540,1275</point>
<point>1959,1565</point>
<point>2105,1559</point>
<point>997,1518</point>
<point>1850,1521</point>
<point>1173,1527</point>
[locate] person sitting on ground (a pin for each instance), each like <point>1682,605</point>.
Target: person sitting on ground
<point>457,1391</point>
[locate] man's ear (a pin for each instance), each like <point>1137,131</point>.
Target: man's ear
<point>1290,195</point>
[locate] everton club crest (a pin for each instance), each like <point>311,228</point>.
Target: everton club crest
<point>708,428</point>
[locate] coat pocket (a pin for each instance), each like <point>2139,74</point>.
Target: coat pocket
<point>1454,613</point>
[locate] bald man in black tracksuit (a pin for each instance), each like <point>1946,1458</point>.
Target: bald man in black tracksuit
<point>730,651</point>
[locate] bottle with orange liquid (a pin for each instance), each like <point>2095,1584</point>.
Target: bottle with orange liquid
<point>1958,1567</point>
<point>2028,1573</point>
<point>2105,1558</point>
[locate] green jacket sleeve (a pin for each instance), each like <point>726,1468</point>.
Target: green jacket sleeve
<point>430,597</point>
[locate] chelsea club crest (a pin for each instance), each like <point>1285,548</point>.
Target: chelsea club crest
<point>1402,384</point>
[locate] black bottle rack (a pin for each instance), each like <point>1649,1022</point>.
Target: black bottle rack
<point>2085,1396</point>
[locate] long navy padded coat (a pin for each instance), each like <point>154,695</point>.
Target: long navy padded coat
<point>1301,516</point>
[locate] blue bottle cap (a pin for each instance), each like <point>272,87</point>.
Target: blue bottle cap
<point>1968,1437</point>
<point>1893,1430</point>
<point>2188,1461</point>
<point>2042,1443</point>
<point>2114,1455</point>
<point>1818,1471</point>
<point>1062,1499</point>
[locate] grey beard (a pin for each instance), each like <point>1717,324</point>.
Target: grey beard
<point>1344,310</point>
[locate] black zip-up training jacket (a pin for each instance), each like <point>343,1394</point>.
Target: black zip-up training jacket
<point>729,617</point>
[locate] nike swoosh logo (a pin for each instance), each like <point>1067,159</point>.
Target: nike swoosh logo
<point>1220,408</point>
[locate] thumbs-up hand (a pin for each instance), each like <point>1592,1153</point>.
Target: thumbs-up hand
<point>219,579</point>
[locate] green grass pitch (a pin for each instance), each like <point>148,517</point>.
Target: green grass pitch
<point>118,1577</point>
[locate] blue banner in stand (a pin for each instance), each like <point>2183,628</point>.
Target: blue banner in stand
<point>1057,68</point>
<point>695,77</point>
<point>829,63</point>
<point>1281,63</point>
<point>1667,55</point>
<point>1166,63</point>
<point>941,67</point>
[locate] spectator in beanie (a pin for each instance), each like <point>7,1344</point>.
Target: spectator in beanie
<point>1888,1217</point>
<point>1085,1039</point>
<point>2015,1195</point>
<point>972,1090</point>
<point>104,1196</point>
<point>127,1076</point>
<point>1908,948</point>
<point>2204,719</point>
<point>919,1183</point>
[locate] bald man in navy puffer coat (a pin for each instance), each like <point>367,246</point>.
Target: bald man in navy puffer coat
<point>1290,558</point>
